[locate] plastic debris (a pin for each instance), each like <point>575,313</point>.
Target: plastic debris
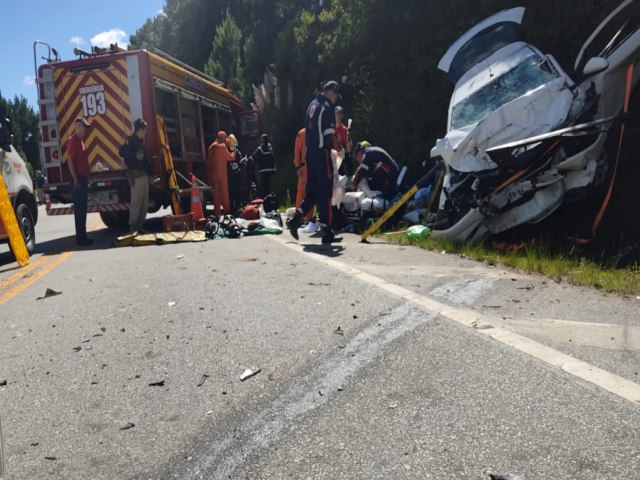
<point>49,293</point>
<point>157,384</point>
<point>128,426</point>
<point>172,304</point>
<point>248,373</point>
<point>178,257</point>
<point>417,232</point>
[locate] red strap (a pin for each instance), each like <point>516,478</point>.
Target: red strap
<point>607,198</point>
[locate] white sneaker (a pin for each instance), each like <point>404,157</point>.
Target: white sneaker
<point>311,227</point>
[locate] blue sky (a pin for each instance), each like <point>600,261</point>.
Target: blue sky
<point>64,24</point>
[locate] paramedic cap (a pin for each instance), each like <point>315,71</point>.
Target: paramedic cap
<point>83,121</point>
<point>339,109</point>
<point>139,124</point>
<point>331,85</point>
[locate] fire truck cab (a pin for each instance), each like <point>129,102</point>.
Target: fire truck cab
<point>112,88</point>
<point>20,187</point>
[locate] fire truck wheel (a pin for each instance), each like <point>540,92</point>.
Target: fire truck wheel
<point>25,221</point>
<point>116,220</point>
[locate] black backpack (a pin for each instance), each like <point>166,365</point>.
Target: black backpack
<point>270,203</point>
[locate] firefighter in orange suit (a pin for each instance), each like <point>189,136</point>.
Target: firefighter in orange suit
<point>299,156</point>
<point>218,157</point>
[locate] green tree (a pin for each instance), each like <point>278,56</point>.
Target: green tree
<point>225,60</point>
<point>24,127</point>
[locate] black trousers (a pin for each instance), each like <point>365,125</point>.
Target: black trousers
<point>79,197</point>
<point>319,188</point>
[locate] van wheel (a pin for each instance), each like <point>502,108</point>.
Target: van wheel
<point>27,226</point>
<point>116,220</point>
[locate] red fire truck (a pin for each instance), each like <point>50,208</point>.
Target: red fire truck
<point>112,88</point>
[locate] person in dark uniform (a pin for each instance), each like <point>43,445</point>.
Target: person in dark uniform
<point>320,125</point>
<point>377,166</point>
<point>140,172</point>
<point>263,157</point>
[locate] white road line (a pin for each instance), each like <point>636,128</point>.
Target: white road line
<point>606,380</point>
<point>257,431</point>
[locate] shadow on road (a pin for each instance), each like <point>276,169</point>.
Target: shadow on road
<point>326,250</point>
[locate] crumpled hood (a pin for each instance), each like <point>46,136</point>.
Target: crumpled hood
<point>538,112</point>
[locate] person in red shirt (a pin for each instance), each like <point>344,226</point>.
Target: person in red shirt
<point>343,139</point>
<point>79,168</point>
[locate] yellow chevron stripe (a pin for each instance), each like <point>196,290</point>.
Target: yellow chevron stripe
<point>107,144</point>
<point>118,136</point>
<point>70,87</point>
<point>116,88</point>
<point>122,123</point>
<point>98,154</point>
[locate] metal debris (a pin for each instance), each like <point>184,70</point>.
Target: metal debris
<point>248,373</point>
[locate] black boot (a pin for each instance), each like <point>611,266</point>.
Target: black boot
<point>294,224</point>
<point>328,237</point>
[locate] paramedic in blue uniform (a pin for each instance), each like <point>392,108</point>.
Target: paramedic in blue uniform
<point>320,124</point>
<point>377,166</point>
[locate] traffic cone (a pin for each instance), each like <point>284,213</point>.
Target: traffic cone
<point>196,203</point>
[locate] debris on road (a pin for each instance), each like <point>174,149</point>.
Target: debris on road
<point>157,384</point>
<point>505,477</point>
<point>179,257</point>
<point>128,426</point>
<point>51,458</point>
<point>203,379</point>
<point>77,349</point>
<point>248,373</point>
<point>49,293</point>
<point>172,304</point>
<point>481,326</point>
<point>338,331</point>
<point>3,383</point>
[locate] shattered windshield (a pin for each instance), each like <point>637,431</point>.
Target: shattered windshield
<point>532,72</point>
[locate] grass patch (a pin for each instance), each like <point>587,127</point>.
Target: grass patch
<point>555,263</point>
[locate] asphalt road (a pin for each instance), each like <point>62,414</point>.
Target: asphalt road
<point>375,362</point>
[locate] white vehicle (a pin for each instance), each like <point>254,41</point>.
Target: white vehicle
<point>20,187</point>
<point>522,136</point>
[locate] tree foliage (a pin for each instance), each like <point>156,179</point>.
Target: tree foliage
<point>225,60</point>
<point>24,127</point>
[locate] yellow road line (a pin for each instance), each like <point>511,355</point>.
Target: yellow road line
<point>23,271</point>
<point>48,260</point>
<point>36,276</point>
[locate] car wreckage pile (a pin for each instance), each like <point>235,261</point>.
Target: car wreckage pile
<point>523,137</point>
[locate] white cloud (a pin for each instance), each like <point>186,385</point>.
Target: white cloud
<point>29,80</point>
<point>115,35</point>
<point>161,13</point>
<point>77,40</point>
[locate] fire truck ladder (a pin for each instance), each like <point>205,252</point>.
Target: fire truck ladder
<point>8,217</point>
<point>48,112</point>
<point>167,157</point>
